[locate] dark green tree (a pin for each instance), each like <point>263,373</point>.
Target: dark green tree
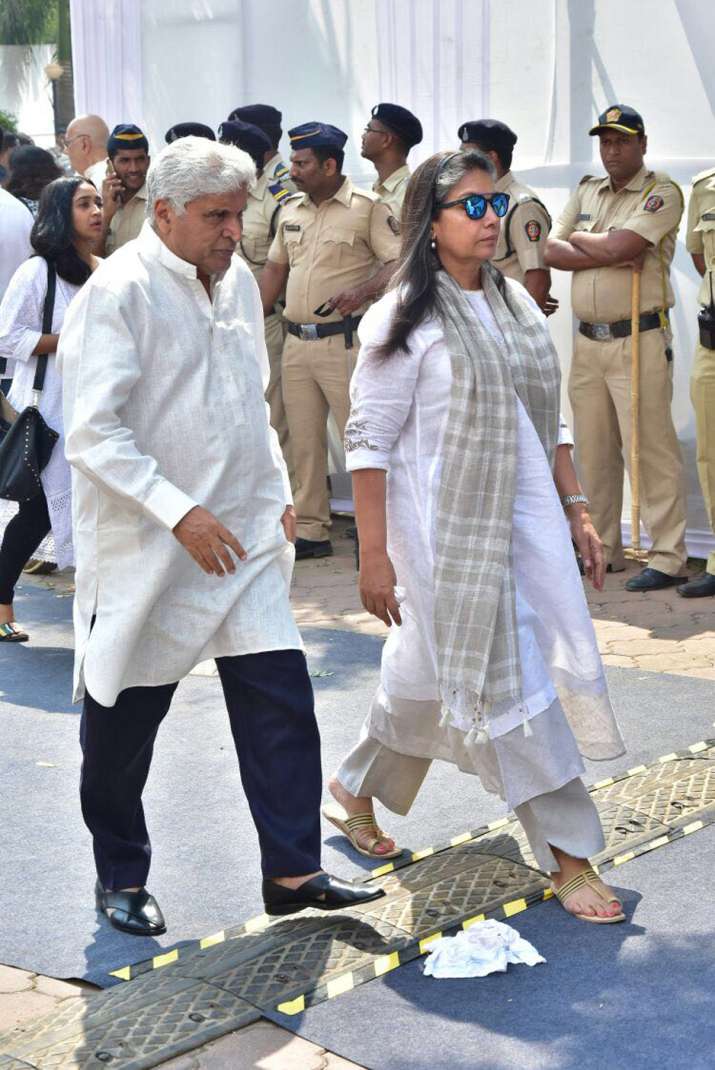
<point>28,22</point>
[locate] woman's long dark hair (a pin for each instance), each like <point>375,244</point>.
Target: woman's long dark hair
<point>53,234</point>
<point>418,262</point>
<point>31,169</point>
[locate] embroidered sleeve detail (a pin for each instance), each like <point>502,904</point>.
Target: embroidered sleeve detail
<point>356,437</point>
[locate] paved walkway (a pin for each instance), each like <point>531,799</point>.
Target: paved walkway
<point>658,632</point>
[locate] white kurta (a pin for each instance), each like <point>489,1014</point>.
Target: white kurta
<point>20,331</point>
<point>400,408</point>
<point>164,410</point>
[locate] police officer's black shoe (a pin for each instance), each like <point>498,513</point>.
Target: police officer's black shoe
<point>699,587</point>
<point>652,579</point>
<point>305,548</point>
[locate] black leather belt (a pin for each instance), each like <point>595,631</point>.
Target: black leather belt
<point>607,332</point>
<point>310,332</point>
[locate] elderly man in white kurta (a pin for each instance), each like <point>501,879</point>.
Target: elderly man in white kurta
<point>183,528</point>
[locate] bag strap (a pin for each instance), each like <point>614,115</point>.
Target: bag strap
<point>47,311</point>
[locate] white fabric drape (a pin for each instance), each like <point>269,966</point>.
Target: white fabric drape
<point>107,60</point>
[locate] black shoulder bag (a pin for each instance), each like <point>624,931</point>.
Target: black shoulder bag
<point>26,440</point>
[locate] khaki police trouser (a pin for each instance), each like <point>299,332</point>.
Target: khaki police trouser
<point>600,394</point>
<point>702,394</point>
<point>275,337</point>
<point>316,381</point>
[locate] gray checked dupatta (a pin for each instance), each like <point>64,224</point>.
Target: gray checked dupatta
<point>475,612</point>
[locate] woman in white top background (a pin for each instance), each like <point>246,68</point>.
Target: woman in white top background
<point>67,229</point>
<point>467,502</point>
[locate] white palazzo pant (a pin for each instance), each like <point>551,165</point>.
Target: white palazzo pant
<point>565,817</point>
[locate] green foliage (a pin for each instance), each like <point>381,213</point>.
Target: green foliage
<point>28,22</point>
<point>7,121</point>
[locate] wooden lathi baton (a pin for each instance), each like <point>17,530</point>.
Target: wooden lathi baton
<point>635,411</point>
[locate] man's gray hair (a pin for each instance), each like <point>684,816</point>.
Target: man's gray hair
<point>195,167</point>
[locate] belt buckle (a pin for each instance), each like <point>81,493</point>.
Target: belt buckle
<point>601,332</point>
<point>309,332</point>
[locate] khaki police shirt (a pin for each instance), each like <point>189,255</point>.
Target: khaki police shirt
<point>126,222</point>
<point>260,218</point>
<point>701,228</point>
<point>650,205</point>
<point>524,231</point>
<point>331,247</point>
<point>392,191</point>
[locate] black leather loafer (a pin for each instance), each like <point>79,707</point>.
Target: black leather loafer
<point>699,587</point>
<point>652,579</point>
<point>305,548</point>
<point>322,893</point>
<point>137,913</point>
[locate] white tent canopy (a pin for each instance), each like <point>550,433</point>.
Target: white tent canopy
<point>546,67</point>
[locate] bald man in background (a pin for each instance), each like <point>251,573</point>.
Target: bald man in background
<point>86,145</point>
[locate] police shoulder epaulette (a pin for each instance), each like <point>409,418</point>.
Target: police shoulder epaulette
<point>368,193</point>
<point>702,175</point>
<point>590,178</point>
<point>280,170</point>
<point>279,192</point>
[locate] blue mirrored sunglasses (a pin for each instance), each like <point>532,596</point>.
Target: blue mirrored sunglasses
<point>475,204</point>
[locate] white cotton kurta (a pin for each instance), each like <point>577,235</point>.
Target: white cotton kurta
<point>164,410</point>
<point>400,408</point>
<point>20,331</point>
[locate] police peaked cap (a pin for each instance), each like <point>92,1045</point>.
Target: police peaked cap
<point>265,117</point>
<point>619,117</point>
<point>188,130</point>
<point>317,136</point>
<point>126,136</point>
<point>400,121</point>
<point>489,134</point>
<point>246,136</point>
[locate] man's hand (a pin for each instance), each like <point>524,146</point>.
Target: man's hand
<point>206,540</point>
<point>377,588</point>
<point>112,190</point>
<point>588,544</point>
<point>288,520</point>
<point>347,301</point>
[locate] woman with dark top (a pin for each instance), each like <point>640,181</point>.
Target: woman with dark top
<point>31,169</point>
<point>67,229</point>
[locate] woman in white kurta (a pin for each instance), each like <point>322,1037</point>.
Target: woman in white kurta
<point>528,751</point>
<point>67,229</point>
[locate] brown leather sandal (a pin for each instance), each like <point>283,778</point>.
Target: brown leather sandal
<point>351,826</point>
<point>588,877</point>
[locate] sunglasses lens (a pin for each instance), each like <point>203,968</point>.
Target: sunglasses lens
<point>500,204</point>
<point>475,206</point>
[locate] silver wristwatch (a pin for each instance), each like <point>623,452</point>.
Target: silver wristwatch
<point>573,499</point>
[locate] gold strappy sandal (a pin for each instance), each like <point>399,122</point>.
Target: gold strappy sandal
<point>588,877</point>
<point>351,826</point>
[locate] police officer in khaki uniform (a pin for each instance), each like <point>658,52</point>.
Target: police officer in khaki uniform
<point>700,242</point>
<point>269,120</point>
<point>631,216</point>
<point>260,222</point>
<point>386,141</point>
<point>525,229</point>
<point>124,188</point>
<point>334,251</point>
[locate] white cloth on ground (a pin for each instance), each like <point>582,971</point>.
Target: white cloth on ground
<point>164,410</point>
<point>486,947</point>
<point>20,331</point>
<point>398,418</point>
